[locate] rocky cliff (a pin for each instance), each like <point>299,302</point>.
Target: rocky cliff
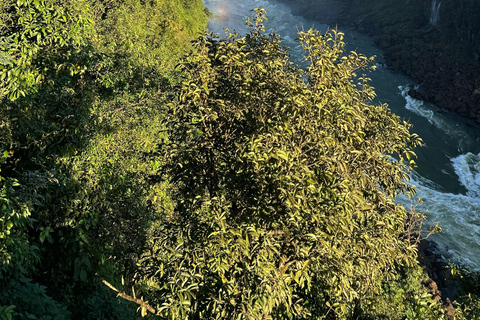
<point>436,43</point>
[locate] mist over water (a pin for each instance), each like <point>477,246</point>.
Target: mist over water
<point>448,172</point>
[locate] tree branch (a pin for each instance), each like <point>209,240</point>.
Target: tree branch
<point>130,298</point>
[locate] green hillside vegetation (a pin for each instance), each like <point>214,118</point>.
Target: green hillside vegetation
<point>82,82</point>
<point>226,183</point>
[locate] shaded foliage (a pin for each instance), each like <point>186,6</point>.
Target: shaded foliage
<point>79,82</point>
<point>31,301</point>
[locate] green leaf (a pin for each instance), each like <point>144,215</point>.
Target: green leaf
<point>83,275</point>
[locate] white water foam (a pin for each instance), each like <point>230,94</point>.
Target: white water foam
<point>417,106</point>
<point>438,120</point>
<point>459,214</point>
<point>467,167</point>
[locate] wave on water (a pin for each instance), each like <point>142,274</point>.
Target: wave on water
<point>459,214</point>
<point>417,106</point>
<point>436,119</point>
<point>467,167</point>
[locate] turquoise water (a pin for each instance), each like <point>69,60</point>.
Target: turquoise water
<point>448,172</point>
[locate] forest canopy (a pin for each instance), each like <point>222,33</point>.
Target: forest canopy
<point>146,164</point>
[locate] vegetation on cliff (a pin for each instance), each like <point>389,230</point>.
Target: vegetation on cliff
<point>235,185</point>
<point>444,59</point>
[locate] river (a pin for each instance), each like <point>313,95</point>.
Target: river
<point>448,172</point>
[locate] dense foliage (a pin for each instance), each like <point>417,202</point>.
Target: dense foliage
<point>78,90</point>
<point>236,185</point>
<point>285,184</point>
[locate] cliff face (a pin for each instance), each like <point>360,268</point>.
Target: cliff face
<point>436,43</point>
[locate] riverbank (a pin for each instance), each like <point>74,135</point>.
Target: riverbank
<point>440,283</point>
<point>445,63</point>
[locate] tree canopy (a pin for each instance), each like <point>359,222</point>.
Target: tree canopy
<point>285,183</point>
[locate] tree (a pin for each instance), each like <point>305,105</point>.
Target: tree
<point>76,129</point>
<point>37,38</point>
<point>285,181</point>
